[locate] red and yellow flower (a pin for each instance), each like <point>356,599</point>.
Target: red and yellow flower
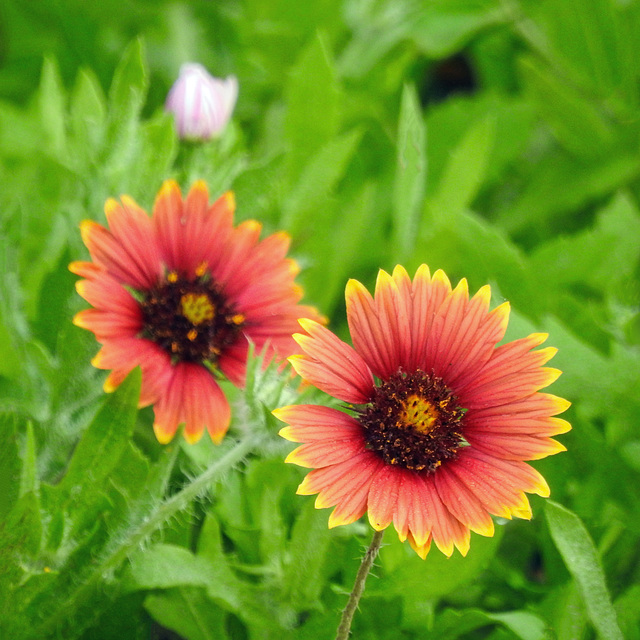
<point>182,294</point>
<point>439,421</point>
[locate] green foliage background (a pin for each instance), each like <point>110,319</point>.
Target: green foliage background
<point>498,140</point>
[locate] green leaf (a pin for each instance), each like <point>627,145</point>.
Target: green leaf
<point>587,256</point>
<point>628,610</point>
<point>313,106</point>
<point>594,45</point>
<point>88,113</point>
<point>99,450</point>
<point>157,153</point>
<point>438,29</point>
<point>452,623</point>
<point>575,121</point>
<point>443,27</point>
<point>163,566</point>
<point>464,172</point>
<point>10,464</point>
<point>303,580</point>
<point>189,612</point>
<point>52,103</point>
<point>469,246</point>
<point>29,481</point>
<point>579,554</point>
<point>52,304</point>
<point>326,282</point>
<point>562,184</point>
<point>317,181</point>
<point>415,579</point>
<point>411,171</point>
<point>126,98</point>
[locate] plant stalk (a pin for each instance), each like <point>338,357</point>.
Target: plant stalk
<point>344,629</point>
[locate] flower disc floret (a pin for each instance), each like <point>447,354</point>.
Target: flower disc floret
<point>190,319</point>
<point>413,421</point>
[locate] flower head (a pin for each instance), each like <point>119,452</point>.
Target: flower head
<point>201,104</point>
<point>181,294</point>
<point>439,420</point>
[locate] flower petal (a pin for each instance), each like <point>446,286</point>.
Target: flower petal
<point>194,398</point>
<point>332,365</point>
<point>311,423</point>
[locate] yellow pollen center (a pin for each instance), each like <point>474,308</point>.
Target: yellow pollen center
<point>419,414</point>
<point>197,308</point>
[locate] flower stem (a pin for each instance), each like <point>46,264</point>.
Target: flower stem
<point>358,586</point>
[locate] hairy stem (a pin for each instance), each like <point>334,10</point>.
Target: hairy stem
<point>358,586</point>
<point>135,536</point>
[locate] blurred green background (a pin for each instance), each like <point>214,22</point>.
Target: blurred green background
<point>498,140</point>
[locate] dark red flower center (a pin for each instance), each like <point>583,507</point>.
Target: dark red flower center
<point>190,318</point>
<point>413,420</point>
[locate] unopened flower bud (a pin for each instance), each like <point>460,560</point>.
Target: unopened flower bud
<point>201,104</point>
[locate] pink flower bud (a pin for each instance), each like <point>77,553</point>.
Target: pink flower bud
<point>201,104</point>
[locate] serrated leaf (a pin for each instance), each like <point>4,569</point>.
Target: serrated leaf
<point>579,554</point>
<point>313,106</point>
<point>411,172</point>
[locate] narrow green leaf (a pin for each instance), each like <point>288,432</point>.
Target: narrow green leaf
<point>411,171</point>
<point>353,230</point>
<point>88,114</point>
<point>158,150</point>
<point>313,107</point>
<point>579,554</point>
<point>317,180</point>
<point>126,98</point>
<point>464,172</point>
<point>52,103</point>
